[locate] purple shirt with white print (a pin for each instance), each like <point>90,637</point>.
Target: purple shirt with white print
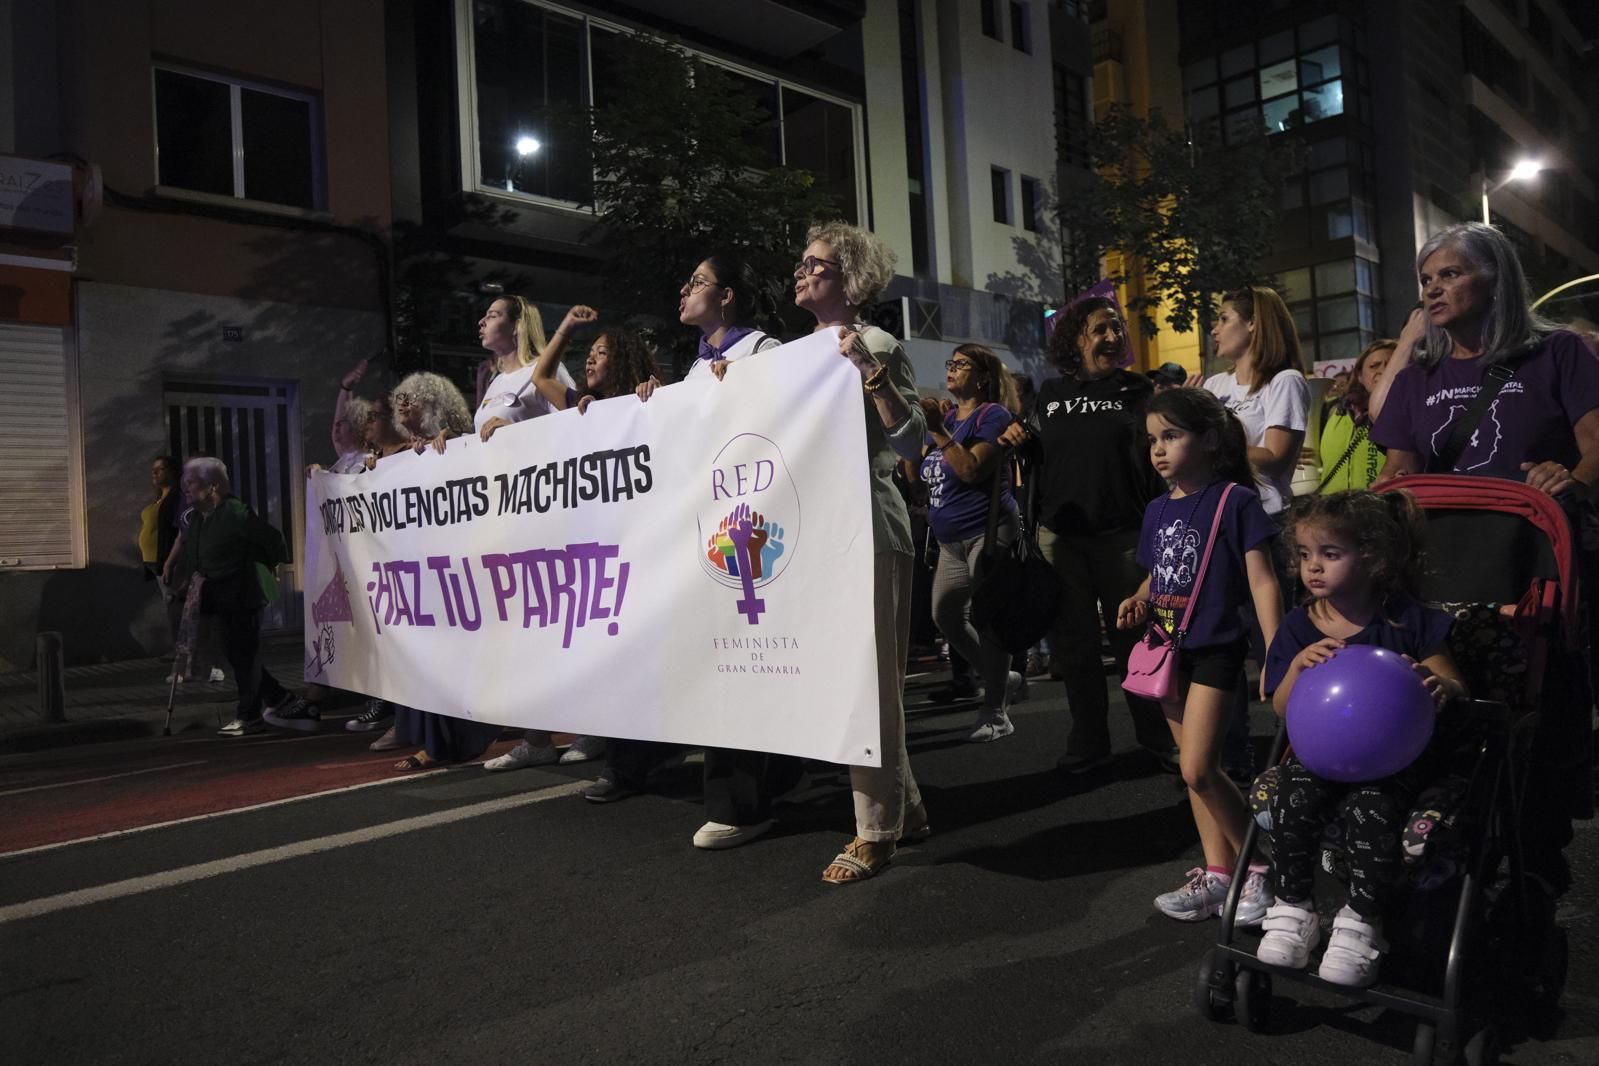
<point>1530,421</point>
<point>1171,545</point>
<point>956,510</point>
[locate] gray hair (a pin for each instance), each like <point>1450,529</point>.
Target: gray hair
<point>210,472</point>
<point>1511,323</point>
<point>443,406</point>
<point>865,261</point>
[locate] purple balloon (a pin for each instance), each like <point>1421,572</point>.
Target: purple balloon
<point>1362,715</point>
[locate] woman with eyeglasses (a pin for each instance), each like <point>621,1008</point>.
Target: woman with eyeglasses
<point>1086,453</point>
<point>963,458</point>
<point>513,333</point>
<point>843,269</point>
<point>428,410</point>
<point>724,299</point>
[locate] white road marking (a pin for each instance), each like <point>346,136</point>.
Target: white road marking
<point>221,814</point>
<point>250,860</point>
<point>107,777</point>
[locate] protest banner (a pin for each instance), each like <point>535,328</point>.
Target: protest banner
<point>694,569</point>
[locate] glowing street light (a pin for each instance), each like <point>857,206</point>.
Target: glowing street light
<point>1524,170</point>
<point>526,146</point>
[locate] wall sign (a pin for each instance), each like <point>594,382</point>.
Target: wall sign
<point>35,195</point>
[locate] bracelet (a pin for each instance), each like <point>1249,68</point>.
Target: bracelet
<point>876,379</point>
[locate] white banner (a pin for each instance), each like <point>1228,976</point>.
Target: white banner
<point>696,569</point>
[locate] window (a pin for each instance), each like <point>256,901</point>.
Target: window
<point>990,15</point>
<point>1021,30</point>
<point>1000,180</point>
<point>522,63</point>
<point>236,139</point>
<point>1489,60</point>
<point>1032,200</point>
<point>1071,117</point>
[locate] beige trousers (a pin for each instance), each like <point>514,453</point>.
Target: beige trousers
<point>884,793</point>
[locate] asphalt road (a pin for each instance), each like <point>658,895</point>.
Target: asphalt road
<point>469,917</point>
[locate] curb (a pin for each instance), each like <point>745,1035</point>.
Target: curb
<point>45,736</point>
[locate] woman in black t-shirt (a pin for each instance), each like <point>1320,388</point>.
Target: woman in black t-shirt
<point>1085,443</point>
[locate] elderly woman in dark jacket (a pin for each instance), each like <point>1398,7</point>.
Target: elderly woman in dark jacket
<point>228,547</point>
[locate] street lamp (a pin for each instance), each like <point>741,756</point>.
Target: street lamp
<point>526,146</point>
<point>1522,171</point>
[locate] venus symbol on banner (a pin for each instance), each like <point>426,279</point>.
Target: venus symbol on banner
<point>749,522</point>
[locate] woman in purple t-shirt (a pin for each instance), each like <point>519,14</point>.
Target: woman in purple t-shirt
<point>1544,424</point>
<point>963,457</point>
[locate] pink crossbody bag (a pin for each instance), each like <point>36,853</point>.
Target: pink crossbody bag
<point>1152,664</point>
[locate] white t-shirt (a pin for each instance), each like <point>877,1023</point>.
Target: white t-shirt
<point>1280,403</point>
<point>749,344</point>
<point>514,398</point>
<point>349,463</point>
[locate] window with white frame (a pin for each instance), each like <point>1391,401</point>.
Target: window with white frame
<point>525,60</point>
<point>237,139</point>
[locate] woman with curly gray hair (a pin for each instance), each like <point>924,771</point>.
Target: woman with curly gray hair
<point>428,409</point>
<point>843,269</point>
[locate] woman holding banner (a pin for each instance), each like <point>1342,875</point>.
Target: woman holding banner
<point>426,408</point>
<point>617,363</point>
<point>725,300</point>
<point>842,270</point>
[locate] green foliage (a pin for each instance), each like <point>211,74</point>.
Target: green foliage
<point>678,174</point>
<point>1197,217</point>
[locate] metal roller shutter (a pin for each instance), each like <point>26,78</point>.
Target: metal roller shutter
<point>41,519</point>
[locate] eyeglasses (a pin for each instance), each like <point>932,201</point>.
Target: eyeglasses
<point>812,265</point>
<point>959,364</point>
<point>696,283</point>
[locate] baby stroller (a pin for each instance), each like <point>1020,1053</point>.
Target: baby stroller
<point>1502,559</point>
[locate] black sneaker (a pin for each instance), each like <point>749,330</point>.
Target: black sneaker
<point>294,713</point>
<point>608,789</point>
<point>377,716</point>
<point>1084,763</point>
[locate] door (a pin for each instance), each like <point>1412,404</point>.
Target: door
<point>253,427</point>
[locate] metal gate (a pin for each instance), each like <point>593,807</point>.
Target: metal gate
<point>253,427</point>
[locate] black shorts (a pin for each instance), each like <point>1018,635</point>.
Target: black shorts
<point>1215,665</point>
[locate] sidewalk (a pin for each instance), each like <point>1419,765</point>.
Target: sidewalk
<point>117,701</point>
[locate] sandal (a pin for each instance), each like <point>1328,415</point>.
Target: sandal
<point>861,860</point>
<point>412,763</point>
<point>917,827</point>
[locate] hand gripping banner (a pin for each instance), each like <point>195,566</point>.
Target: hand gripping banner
<point>696,568</point>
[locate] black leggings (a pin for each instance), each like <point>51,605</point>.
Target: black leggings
<point>1367,817</point>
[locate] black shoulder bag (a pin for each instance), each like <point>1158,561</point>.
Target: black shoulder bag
<point>1016,594</point>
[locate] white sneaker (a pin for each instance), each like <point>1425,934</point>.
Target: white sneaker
<point>583,749</point>
<point>1292,930</point>
<point>1354,951</point>
<point>1254,900</point>
<point>1197,900</point>
<point>1015,688</point>
<point>991,725</point>
<point>523,755</point>
<point>716,836</point>
<point>217,676</point>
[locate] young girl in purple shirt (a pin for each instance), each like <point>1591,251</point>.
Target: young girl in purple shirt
<point>1198,446</point>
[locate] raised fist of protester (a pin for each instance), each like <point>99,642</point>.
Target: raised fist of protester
<point>580,315</point>
<point>354,375</point>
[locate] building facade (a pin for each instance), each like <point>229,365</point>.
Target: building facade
<point>1406,113</point>
<point>245,199</point>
